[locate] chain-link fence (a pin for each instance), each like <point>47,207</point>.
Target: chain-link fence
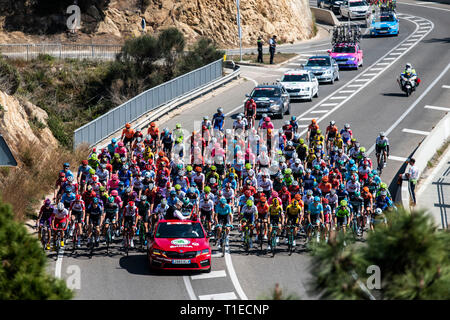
<point>113,120</point>
<point>61,50</point>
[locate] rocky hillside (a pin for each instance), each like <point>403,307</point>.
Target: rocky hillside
<point>24,124</point>
<point>115,20</point>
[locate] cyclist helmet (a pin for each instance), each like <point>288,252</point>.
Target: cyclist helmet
<point>239,118</point>
<point>60,206</point>
<point>113,140</point>
<point>207,189</point>
<point>111,199</point>
<point>382,134</point>
<point>164,201</point>
<point>332,123</point>
<point>62,174</point>
<point>223,201</point>
<point>343,203</point>
<point>316,199</point>
<point>378,211</point>
<point>143,198</point>
<point>131,203</point>
<point>68,189</point>
<point>220,110</point>
<point>47,202</point>
<point>383,185</point>
<point>263,199</point>
<point>293,118</point>
<point>95,200</point>
<point>70,178</point>
<point>408,65</point>
<point>127,125</point>
<point>120,144</point>
<point>178,125</point>
<point>347,126</point>
<point>248,166</point>
<point>309,192</point>
<point>383,193</point>
<point>267,119</point>
<point>114,193</point>
<point>324,200</point>
<point>249,203</point>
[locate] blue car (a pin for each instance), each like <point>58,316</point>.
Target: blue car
<point>385,24</point>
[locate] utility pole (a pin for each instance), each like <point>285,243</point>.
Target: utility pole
<point>239,29</point>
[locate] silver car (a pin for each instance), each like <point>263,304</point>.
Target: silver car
<point>325,68</point>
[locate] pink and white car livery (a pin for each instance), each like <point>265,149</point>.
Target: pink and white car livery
<point>347,55</point>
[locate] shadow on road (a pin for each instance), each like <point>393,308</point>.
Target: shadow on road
<point>434,40</point>
<point>394,94</point>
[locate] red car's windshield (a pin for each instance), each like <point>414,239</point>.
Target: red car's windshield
<point>179,230</point>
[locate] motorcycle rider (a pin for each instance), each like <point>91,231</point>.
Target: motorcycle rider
<point>408,74</point>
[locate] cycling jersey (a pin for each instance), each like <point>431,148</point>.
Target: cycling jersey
<point>275,210</point>
<point>249,213</point>
<point>342,212</point>
<point>77,206</point>
<point>130,211</point>
<point>60,215</point>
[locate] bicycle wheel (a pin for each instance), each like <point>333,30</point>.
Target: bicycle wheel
<point>274,242</point>
<point>223,242</point>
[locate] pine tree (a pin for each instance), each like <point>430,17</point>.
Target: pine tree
<point>22,264</point>
<point>413,257</point>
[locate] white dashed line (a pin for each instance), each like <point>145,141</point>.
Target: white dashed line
<point>425,133</point>
<point>397,158</point>
<point>396,53</point>
<point>361,80</point>
<point>354,85</point>
<point>320,111</point>
<point>212,274</point>
<point>382,64</point>
<point>328,104</point>
<point>347,91</point>
<point>307,119</point>
<point>437,108</point>
<point>446,87</point>
<point>370,74</point>
<point>378,69</point>
<point>339,98</point>
<point>219,296</point>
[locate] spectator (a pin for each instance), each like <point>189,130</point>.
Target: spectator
<point>143,24</point>
<point>260,49</point>
<point>412,175</point>
<point>272,46</point>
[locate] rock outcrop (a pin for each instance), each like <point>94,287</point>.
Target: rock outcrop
<point>24,124</point>
<point>116,20</point>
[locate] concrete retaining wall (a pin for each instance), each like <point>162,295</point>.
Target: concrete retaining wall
<point>425,151</point>
<point>325,16</point>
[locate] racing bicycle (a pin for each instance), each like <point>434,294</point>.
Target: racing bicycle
<point>246,242</point>
<point>141,233</point>
<point>290,236</point>
<point>273,239</point>
<point>127,229</point>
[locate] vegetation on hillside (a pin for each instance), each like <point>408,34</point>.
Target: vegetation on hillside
<point>413,258</point>
<point>22,268</point>
<point>74,92</point>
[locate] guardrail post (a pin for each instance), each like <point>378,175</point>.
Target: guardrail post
<point>27,51</point>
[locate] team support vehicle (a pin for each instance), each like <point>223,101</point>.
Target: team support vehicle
<point>356,9</point>
<point>271,100</point>
<point>384,23</point>
<point>324,68</point>
<point>333,5</point>
<point>346,48</point>
<point>300,84</point>
<point>179,245</point>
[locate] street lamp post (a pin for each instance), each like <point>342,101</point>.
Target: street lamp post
<point>239,29</point>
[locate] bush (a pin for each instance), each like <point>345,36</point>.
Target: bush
<point>22,271</point>
<point>203,52</point>
<point>9,77</point>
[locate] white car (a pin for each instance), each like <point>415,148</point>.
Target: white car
<point>300,84</point>
<point>355,9</point>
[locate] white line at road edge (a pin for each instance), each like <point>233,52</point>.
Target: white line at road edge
<point>412,106</point>
<point>427,7</point>
<point>233,276</point>
<point>349,84</point>
<point>59,264</point>
<point>188,285</point>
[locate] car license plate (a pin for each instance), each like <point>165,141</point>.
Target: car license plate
<point>181,261</point>
<point>263,109</point>
<point>382,31</point>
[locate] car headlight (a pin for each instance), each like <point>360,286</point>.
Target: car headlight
<point>328,72</point>
<point>157,251</point>
<point>307,88</point>
<point>275,107</point>
<point>204,251</point>
<point>352,59</point>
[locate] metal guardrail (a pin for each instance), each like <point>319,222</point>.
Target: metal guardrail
<point>30,51</point>
<point>96,130</point>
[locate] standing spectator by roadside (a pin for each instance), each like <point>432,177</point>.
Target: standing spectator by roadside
<point>412,175</point>
<point>260,43</point>
<point>272,46</point>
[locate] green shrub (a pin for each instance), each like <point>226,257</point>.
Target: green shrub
<point>9,77</point>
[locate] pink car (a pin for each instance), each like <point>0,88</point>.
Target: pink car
<point>347,55</point>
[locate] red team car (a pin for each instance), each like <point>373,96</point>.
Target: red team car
<point>179,245</point>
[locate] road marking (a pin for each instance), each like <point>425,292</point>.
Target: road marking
<point>417,5</point>
<point>328,104</point>
<point>354,85</point>
<point>437,108</point>
<point>397,158</point>
<point>347,91</point>
<point>307,119</point>
<point>361,80</point>
<point>378,69</point>
<point>396,53</point>
<point>424,24</point>
<point>412,106</point>
<point>425,133</point>
<point>219,296</point>
<point>59,264</point>
<point>401,49</point>
<point>212,274</point>
<point>216,255</point>
<point>410,40</point>
<point>422,31</point>
<point>233,276</point>
<point>382,64</point>
<point>320,111</point>
<point>188,285</point>
<point>338,98</point>
<point>362,86</point>
<point>370,74</point>
<point>446,87</point>
<point>303,126</point>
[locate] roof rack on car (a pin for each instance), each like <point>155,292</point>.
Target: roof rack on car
<point>346,34</point>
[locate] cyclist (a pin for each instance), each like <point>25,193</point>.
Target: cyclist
<point>111,215</point>
<point>330,134</point>
<point>382,147</point>
<point>248,216</point>
<point>275,218</point>
<point>59,222</point>
<point>347,135</point>
<point>127,135</point>
<point>130,212</point>
<point>250,112</point>
<point>44,220</point>
<point>343,215</point>
<point>377,218</point>
<point>293,216</point>
<point>144,213</point>
<point>206,206</point>
<point>218,121</point>
<point>315,216</point>
<point>94,219</point>
<point>78,213</point>
<point>261,226</point>
<point>154,133</point>
<point>223,219</point>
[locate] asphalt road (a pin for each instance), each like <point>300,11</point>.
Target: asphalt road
<point>369,99</point>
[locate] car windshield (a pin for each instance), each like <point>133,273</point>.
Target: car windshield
<point>318,63</point>
<point>344,49</point>
<point>266,92</point>
<point>179,230</point>
<point>387,18</point>
<point>295,77</point>
<point>357,4</point>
